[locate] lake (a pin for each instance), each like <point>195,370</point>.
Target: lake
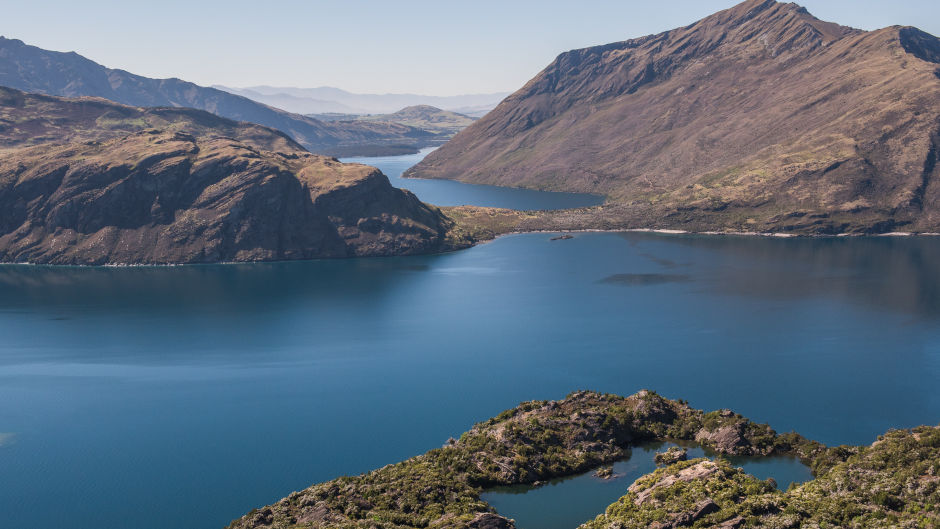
<point>567,503</point>
<point>185,396</point>
<point>451,193</point>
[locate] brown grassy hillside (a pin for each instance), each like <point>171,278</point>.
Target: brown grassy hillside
<point>760,117</point>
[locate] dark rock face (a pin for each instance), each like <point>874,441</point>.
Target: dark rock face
<point>33,69</point>
<point>758,118</point>
<point>490,521</point>
<point>89,181</point>
<point>161,198</point>
<point>728,439</point>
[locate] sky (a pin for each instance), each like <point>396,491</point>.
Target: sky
<point>427,47</point>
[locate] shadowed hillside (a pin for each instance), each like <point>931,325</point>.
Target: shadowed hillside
<point>37,70</point>
<point>88,181</point>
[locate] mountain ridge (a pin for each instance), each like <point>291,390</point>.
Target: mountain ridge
<point>442,123</point>
<point>757,118</point>
<point>31,119</point>
<point>68,74</point>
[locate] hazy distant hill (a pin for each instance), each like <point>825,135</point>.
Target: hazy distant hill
<point>37,70</point>
<point>328,99</point>
<point>293,103</point>
<point>758,118</point>
<point>90,181</point>
<point>443,123</point>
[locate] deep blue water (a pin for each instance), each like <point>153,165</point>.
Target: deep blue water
<point>567,503</point>
<point>450,193</point>
<point>185,396</point>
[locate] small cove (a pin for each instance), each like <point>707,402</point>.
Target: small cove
<point>567,503</point>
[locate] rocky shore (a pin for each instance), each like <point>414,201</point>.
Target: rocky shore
<point>893,482</point>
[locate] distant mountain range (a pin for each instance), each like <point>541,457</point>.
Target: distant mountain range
<point>327,99</point>
<point>33,69</point>
<point>758,118</point>
<point>425,117</point>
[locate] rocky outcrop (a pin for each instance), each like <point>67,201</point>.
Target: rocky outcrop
<point>490,521</point>
<point>160,198</point>
<point>893,483</point>
<point>759,118</point>
<point>671,456</point>
<point>643,492</point>
<point>536,441</point>
<point>88,181</point>
<point>729,433</point>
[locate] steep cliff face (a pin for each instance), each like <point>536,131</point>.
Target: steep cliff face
<point>88,181</point>
<point>758,117</point>
<point>158,197</point>
<point>37,70</point>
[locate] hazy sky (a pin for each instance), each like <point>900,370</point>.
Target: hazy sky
<point>431,47</point>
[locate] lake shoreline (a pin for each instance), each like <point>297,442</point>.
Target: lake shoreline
<point>769,235</point>
<point>486,240</point>
<point>549,440</point>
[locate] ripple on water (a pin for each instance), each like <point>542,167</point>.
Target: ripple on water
<point>645,279</point>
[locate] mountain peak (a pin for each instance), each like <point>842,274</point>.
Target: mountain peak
<point>777,26</point>
<point>757,117</point>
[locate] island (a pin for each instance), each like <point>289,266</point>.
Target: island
<point>893,482</point>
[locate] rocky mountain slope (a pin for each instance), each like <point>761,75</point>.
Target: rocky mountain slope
<point>758,118</point>
<point>893,483</point>
<point>32,119</point>
<point>33,69</point>
<point>88,181</point>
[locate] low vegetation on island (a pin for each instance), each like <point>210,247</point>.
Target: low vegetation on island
<point>893,482</point>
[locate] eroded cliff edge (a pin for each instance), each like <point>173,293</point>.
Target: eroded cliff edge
<point>90,182</point>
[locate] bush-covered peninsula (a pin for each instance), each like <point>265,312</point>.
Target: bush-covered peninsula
<point>894,482</point>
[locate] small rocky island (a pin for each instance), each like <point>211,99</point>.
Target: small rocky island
<point>895,482</point>
<point>671,456</point>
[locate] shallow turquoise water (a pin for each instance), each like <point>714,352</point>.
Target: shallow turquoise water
<point>567,503</point>
<point>185,396</point>
<point>450,193</point>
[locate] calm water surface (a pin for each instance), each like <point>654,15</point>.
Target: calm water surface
<point>185,396</point>
<point>449,193</point>
<point>567,503</point>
